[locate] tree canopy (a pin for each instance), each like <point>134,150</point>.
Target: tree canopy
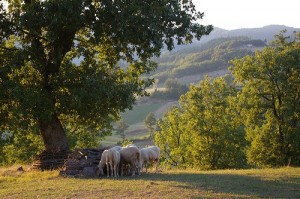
<point>203,132</point>
<point>44,90</point>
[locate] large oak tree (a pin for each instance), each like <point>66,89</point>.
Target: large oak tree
<point>61,61</point>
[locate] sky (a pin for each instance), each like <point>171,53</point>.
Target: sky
<point>235,14</point>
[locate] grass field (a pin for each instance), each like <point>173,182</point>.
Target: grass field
<point>139,112</point>
<point>254,183</point>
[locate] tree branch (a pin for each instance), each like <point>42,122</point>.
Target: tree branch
<point>266,98</point>
<point>168,154</point>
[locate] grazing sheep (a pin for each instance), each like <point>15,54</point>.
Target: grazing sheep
<point>102,163</point>
<point>112,161</point>
<point>147,155</point>
<point>156,149</point>
<point>130,155</point>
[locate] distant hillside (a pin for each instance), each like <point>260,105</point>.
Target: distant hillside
<point>211,56</point>
<point>265,33</point>
<point>213,52</point>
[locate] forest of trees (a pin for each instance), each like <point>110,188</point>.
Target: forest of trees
<point>251,122</point>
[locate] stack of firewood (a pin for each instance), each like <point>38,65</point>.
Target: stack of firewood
<point>49,161</point>
<point>82,160</point>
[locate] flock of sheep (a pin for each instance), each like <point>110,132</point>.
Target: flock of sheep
<point>128,160</point>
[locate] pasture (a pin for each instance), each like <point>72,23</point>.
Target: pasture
<point>140,111</point>
<point>252,183</point>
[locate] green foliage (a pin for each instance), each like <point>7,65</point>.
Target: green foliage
<point>203,132</point>
<point>269,102</point>
<point>19,147</point>
<point>85,138</point>
<point>170,138</point>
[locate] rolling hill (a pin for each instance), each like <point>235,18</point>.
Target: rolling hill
<point>212,53</point>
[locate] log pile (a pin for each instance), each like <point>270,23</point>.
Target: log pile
<point>49,161</point>
<point>80,160</point>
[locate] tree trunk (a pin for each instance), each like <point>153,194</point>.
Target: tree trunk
<point>53,135</point>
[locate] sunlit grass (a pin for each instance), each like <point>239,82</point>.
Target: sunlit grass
<point>251,183</point>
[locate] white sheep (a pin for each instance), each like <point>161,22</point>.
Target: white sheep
<point>147,155</point>
<point>156,149</point>
<point>112,161</point>
<point>102,163</point>
<point>132,156</point>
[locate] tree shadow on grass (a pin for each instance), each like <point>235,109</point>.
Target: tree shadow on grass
<point>240,185</point>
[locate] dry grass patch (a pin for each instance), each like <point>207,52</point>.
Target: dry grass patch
<point>269,183</point>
